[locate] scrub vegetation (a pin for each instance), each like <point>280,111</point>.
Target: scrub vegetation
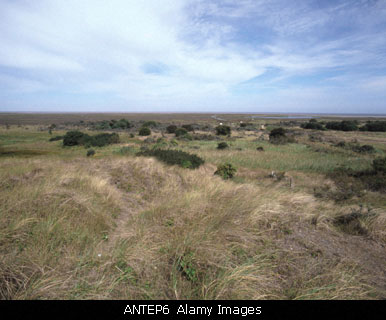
<point>245,209</point>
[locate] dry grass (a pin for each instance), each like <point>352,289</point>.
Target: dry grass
<point>120,227</point>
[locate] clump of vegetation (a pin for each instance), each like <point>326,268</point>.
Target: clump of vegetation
<point>379,165</point>
<point>150,124</point>
<point>171,157</point>
<point>260,149</point>
<point>279,136</point>
<point>57,138</point>
<point>222,145</point>
<point>223,130</point>
<point>375,126</point>
<point>226,171</point>
<point>363,149</point>
<point>345,125</point>
<point>171,129</point>
<point>90,152</point>
<point>180,132</point>
<point>313,124</point>
<point>74,138</point>
<point>188,127</point>
<point>112,124</point>
<point>144,131</point>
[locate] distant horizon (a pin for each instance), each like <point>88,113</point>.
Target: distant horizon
<point>193,112</point>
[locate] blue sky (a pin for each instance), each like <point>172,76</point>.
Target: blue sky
<point>193,55</point>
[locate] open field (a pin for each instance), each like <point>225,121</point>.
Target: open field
<point>115,225</point>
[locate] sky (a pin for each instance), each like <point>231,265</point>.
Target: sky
<point>308,56</point>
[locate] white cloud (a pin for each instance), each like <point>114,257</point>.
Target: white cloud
<point>101,47</point>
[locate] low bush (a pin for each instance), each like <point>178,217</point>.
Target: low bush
<point>150,124</point>
<point>312,124</point>
<point>363,149</point>
<point>74,138</point>
<point>188,127</point>
<point>222,145</point>
<point>379,165</point>
<point>144,131</point>
<point>345,125</point>
<point>260,149</point>
<point>171,129</point>
<point>278,136</point>
<point>375,126</point>
<point>223,130</point>
<point>90,152</point>
<point>180,132</point>
<point>171,157</point>
<point>226,171</point>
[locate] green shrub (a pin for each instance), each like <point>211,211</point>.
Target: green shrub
<point>73,138</point>
<point>188,127</point>
<point>364,149</point>
<point>171,129</point>
<point>226,171</point>
<point>150,124</point>
<point>277,132</point>
<point>90,152</point>
<point>345,125</point>
<point>180,132</point>
<point>379,165</point>
<point>223,130</point>
<point>278,136</point>
<point>121,124</point>
<point>171,157</point>
<point>222,145</point>
<point>375,126</point>
<point>144,131</point>
<point>312,124</point>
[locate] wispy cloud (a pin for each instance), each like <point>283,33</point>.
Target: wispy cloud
<point>181,55</point>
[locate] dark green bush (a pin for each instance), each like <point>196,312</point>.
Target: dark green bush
<point>312,124</point>
<point>223,130</point>
<point>364,149</point>
<point>260,149</point>
<point>379,165</point>
<point>180,132</point>
<point>345,125</point>
<point>171,129</point>
<point>222,145</point>
<point>90,152</point>
<point>278,136</point>
<point>277,132</point>
<point>57,138</point>
<point>144,131</point>
<point>73,138</point>
<point>188,127</point>
<point>121,124</point>
<point>226,171</point>
<point>375,126</point>
<point>150,124</point>
<point>100,140</point>
<point>171,157</point>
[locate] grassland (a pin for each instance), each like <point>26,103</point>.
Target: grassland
<point>118,226</point>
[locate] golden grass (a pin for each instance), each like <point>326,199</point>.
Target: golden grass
<point>120,227</point>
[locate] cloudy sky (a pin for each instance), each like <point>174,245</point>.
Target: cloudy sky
<point>193,55</point>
